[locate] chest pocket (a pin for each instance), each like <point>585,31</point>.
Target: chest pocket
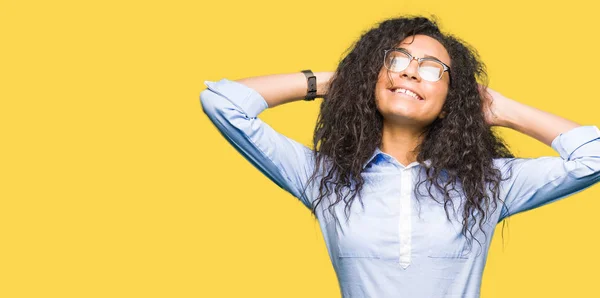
<point>445,238</point>
<point>448,242</point>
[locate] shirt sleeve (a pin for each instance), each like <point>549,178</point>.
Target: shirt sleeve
<point>233,108</point>
<point>539,181</point>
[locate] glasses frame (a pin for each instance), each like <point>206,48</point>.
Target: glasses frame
<point>446,68</point>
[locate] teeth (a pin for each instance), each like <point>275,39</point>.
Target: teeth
<point>401,90</point>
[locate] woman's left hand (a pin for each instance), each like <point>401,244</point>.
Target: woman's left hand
<point>494,106</point>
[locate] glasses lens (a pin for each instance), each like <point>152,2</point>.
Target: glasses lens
<point>431,70</point>
<point>396,61</point>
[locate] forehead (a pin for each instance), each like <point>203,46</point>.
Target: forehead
<point>423,45</point>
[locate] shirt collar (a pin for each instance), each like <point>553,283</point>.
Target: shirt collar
<point>375,154</point>
<point>378,152</point>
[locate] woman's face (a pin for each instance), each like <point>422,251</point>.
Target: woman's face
<point>401,108</point>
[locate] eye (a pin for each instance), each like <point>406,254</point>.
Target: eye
<point>397,61</point>
<point>430,70</point>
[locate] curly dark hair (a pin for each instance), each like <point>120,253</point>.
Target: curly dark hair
<point>460,146</point>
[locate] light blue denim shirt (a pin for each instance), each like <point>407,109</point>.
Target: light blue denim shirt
<point>399,245</point>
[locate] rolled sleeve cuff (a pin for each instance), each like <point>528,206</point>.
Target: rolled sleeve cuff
<point>246,98</point>
<point>566,143</point>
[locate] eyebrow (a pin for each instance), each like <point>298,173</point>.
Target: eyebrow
<point>424,56</point>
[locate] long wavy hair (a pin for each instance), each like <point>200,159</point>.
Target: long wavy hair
<point>461,146</point>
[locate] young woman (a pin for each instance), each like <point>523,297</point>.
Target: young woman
<point>405,128</point>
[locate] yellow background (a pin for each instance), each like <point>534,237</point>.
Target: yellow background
<point>115,184</point>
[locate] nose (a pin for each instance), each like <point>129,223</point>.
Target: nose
<point>412,71</point>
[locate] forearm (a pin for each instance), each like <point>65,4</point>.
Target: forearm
<point>536,123</point>
<point>278,89</point>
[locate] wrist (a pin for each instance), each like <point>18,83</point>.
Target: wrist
<point>323,80</point>
<point>511,117</point>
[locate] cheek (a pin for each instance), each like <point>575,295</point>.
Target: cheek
<point>380,90</point>
<point>437,93</point>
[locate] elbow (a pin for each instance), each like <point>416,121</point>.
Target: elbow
<point>213,106</point>
<point>207,102</point>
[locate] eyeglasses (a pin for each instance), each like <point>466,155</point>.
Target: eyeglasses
<point>430,69</point>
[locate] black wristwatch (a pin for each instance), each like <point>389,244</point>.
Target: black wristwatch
<point>311,80</point>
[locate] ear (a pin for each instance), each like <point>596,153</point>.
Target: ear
<point>442,114</point>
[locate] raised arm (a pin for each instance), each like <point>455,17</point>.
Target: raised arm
<point>538,124</point>
<point>233,107</point>
<point>539,181</point>
<point>283,88</point>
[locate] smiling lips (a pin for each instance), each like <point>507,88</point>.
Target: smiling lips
<point>407,92</point>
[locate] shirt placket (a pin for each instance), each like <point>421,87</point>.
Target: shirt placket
<point>405,217</point>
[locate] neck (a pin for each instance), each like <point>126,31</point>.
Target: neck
<point>400,141</point>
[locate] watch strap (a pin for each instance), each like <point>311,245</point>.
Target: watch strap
<point>311,81</point>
